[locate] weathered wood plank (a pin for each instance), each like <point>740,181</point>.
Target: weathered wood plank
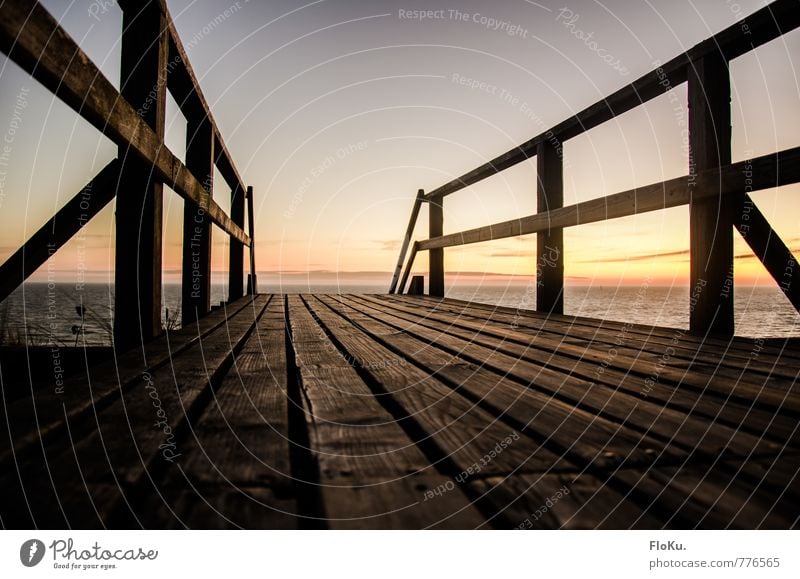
<point>235,469</point>
<point>33,422</point>
<point>565,501</point>
<point>132,439</point>
<point>567,431</point>
<point>371,472</point>
<point>567,349</point>
<point>681,373</point>
<point>674,429</point>
<point>737,414</point>
<point>770,352</point>
<point>460,437</point>
<point>706,497</point>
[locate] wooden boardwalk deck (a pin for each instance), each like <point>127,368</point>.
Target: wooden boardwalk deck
<point>328,411</point>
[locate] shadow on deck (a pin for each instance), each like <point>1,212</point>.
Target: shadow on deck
<point>409,412</point>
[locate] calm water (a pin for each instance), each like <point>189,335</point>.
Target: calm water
<point>39,314</point>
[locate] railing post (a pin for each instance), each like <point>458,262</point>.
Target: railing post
<point>236,260</point>
<point>252,278</point>
<point>137,276</point>
<point>196,286</point>
<point>549,243</point>
<point>711,218</point>
<point>436,256</point>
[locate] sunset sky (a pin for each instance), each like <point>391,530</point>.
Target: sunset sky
<point>337,111</point>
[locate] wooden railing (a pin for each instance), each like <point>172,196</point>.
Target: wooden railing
<point>153,61</point>
<point>716,190</point>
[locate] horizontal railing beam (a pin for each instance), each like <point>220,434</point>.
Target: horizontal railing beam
<point>759,28</point>
<point>773,170</point>
<point>32,38</point>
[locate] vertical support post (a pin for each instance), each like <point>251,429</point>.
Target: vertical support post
<point>137,277</point>
<point>711,218</point>
<point>436,256</point>
<point>236,260</point>
<point>196,286</point>
<point>549,243</point>
<point>417,286</point>
<point>252,278</point>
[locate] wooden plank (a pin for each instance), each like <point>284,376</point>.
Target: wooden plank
<point>436,255</point>
<point>754,356</point>
<point>549,242</point>
<point>59,229</point>
<point>752,392</point>
<point>617,477</point>
<point>133,440</point>
<point>39,45</point>
<point>769,171</point>
<point>140,197</point>
<point>739,415</point>
<point>675,430</point>
<point>372,474</point>
<point>751,356</point>
<point>569,432</point>
<point>422,395</point>
<point>219,508</point>
<point>196,271</point>
<point>34,422</point>
<point>565,501</point>
<point>759,28</point>
<point>459,436</point>
<point>412,223</point>
<point>710,218</point>
<point>705,497</point>
<point>238,458</point>
<point>770,350</point>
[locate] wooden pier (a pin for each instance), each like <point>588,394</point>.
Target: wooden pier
<point>347,411</point>
<point>400,411</point>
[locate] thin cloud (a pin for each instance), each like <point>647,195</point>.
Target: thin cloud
<point>387,245</point>
<point>511,254</point>
<point>643,257</point>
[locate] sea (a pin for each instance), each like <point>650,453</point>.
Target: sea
<point>42,314</point>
